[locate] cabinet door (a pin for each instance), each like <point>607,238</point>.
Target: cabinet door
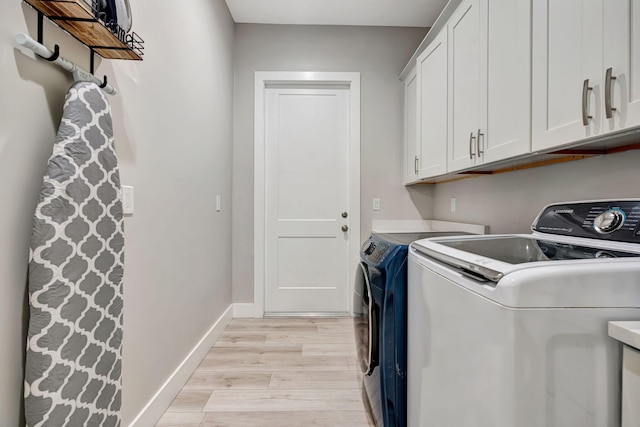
<point>630,386</point>
<point>432,108</point>
<point>633,88</point>
<point>567,51</point>
<point>621,54</point>
<point>410,127</point>
<point>464,85</point>
<point>506,111</point>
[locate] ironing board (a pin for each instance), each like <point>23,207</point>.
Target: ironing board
<point>74,343</point>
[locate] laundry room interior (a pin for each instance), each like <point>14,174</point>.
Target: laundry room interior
<point>192,143</point>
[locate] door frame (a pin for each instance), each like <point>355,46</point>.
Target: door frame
<point>318,79</point>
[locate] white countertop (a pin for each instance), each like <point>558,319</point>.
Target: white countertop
<point>421,226</point>
<point>626,332</point>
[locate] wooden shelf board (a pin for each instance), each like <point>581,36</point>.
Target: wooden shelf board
<point>63,8</point>
<point>117,54</point>
<point>87,30</point>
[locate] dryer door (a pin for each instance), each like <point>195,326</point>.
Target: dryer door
<point>365,321</point>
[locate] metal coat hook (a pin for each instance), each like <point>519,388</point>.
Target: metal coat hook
<point>56,54</point>
<point>91,69</point>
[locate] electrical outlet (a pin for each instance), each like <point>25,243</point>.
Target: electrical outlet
<point>127,200</point>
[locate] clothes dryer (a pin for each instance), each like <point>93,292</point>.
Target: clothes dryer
<point>380,322</point>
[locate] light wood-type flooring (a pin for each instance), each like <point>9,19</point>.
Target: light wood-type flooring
<point>284,372</point>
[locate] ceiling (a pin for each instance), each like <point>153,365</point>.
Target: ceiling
<point>396,13</point>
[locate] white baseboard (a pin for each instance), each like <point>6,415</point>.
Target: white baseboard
<point>244,310</point>
<point>159,403</point>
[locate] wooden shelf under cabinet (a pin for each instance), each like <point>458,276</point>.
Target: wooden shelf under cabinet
<point>77,18</point>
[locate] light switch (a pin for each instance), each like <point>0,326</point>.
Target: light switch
<point>127,200</point>
<point>453,204</point>
<point>376,204</point>
<point>218,203</point>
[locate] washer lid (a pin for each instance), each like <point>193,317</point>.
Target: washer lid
<point>520,249</point>
<point>535,271</point>
<point>491,257</point>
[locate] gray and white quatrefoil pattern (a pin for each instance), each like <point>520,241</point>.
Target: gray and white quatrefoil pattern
<point>74,346</point>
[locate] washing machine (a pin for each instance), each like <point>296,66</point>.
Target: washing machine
<point>380,322</point>
<point>511,330</point>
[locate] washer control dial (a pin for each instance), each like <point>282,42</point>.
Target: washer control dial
<point>609,221</point>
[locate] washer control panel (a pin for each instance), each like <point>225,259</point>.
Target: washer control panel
<point>615,220</point>
<point>374,250</point>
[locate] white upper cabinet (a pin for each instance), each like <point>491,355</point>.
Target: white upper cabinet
<point>505,111</point>
<point>489,82</point>
<point>432,108</point>
<point>586,70</point>
<point>510,79</point>
<point>410,127</point>
<point>622,55</point>
<point>464,84</point>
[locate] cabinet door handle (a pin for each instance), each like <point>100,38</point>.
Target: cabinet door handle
<point>471,152</point>
<point>585,102</point>
<point>480,150</point>
<point>416,165</point>
<point>608,86</point>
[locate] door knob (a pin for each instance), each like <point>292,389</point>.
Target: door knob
<point>344,214</point>
<point>345,228</point>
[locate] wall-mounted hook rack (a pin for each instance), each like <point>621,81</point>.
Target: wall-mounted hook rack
<point>78,73</point>
<point>56,52</point>
<point>80,18</point>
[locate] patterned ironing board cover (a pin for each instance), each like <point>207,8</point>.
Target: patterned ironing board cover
<point>74,344</point>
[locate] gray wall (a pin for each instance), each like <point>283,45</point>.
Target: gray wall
<point>379,54</point>
<point>509,202</point>
<point>173,131</point>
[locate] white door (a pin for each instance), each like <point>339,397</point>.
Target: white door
<point>307,216</point>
